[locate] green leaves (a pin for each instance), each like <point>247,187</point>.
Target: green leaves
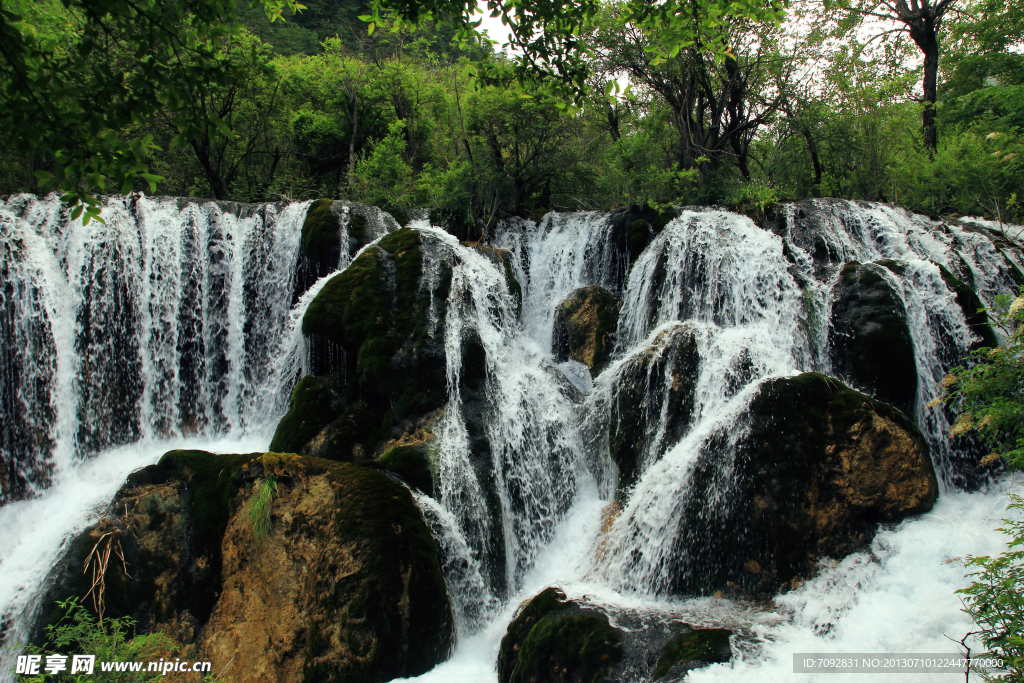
<point>989,391</point>
<point>548,37</point>
<point>996,603</point>
<point>113,66</point>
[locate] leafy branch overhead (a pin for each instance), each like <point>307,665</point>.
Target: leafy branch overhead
<point>548,37</point>
<point>111,65</point>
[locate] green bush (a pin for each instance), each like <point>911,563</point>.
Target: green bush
<point>996,602</point>
<point>110,640</point>
<point>989,390</point>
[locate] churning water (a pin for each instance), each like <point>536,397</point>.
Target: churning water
<point>172,325</point>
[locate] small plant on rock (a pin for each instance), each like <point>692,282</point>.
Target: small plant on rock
<point>263,494</point>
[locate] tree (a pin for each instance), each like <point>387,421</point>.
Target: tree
<point>121,62</point>
<point>922,21</point>
<point>548,40</point>
<point>714,111</point>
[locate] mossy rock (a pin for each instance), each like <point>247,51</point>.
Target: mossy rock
<point>820,466</point>
<point>693,648</point>
<point>641,391</point>
<point>584,326</point>
<point>870,341</point>
<point>321,236</point>
<point>412,464</point>
<point>1015,274</point>
<point>378,318</point>
<point>636,225</point>
<point>313,406</point>
<point>346,586</point>
<point>970,304</point>
<point>554,640</point>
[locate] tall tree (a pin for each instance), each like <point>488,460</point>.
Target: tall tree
<point>922,20</point>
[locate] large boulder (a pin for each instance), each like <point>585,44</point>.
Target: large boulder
<point>693,648</point>
<point>555,640</point>
<point>651,401</point>
<point>332,233</point>
<point>583,327</point>
<point>815,472</point>
<point>870,342</point>
<point>377,342</point>
<point>343,583</point>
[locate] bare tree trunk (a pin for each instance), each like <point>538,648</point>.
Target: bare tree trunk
<point>929,44</point>
<point>352,145</point>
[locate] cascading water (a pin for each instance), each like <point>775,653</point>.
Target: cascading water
<point>172,325</point>
<point>536,458</point>
<point>168,325</point>
<point>757,305</point>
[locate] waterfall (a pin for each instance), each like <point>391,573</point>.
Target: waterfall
<point>168,325</point>
<point>536,457</point>
<point>757,304</point>
<point>177,323</point>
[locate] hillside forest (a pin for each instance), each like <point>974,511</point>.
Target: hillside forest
<point>816,100</point>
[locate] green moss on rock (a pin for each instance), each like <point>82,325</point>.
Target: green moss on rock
<point>321,236</point>
<point>637,419</point>
<point>692,649</point>
<point>379,315</point>
<point>313,406</point>
<point>412,464</point>
<point>819,468</point>
<point>554,640</point>
<point>348,577</point>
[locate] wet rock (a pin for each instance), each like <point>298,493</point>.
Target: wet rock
<point>333,229</point>
<point>555,640</point>
<point>871,345</point>
<point>413,456</point>
<point>653,386</point>
<point>583,327</point>
<point>818,469</point>
<point>635,226</point>
<point>313,405</point>
<point>345,586</point>
<point>970,304</point>
<point>693,648</point>
<point>377,335</point>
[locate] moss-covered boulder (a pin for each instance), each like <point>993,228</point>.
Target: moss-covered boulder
<point>555,640</point>
<point>652,401</point>
<point>332,233</point>
<point>870,342</point>
<point>313,405</point>
<point>345,586</point>
<point>376,328</point>
<point>817,469</point>
<point>635,226</point>
<point>693,648</point>
<point>583,328</point>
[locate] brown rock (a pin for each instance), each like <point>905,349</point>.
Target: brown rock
<point>584,325</point>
